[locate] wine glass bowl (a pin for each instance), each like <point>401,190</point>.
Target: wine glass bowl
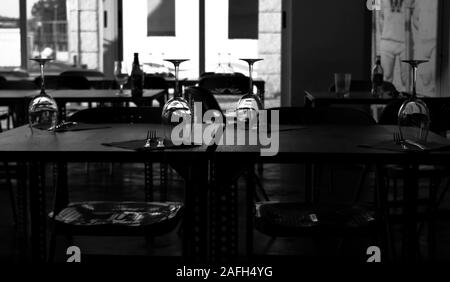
<point>414,120</point>
<point>42,109</point>
<point>121,75</point>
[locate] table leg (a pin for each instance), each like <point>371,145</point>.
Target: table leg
<point>195,222</point>
<point>224,211</point>
<point>60,186</point>
<point>381,198</point>
<point>38,214</point>
<point>411,187</point>
<point>22,210</point>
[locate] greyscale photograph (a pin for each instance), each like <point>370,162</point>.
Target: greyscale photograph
<point>225,139</point>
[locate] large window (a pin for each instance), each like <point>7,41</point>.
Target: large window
<point>158,29</point>
<point>67,30</point>
<point>10,56</point>
<point>48,32</point>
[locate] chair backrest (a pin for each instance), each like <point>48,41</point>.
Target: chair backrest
<point>324,115</point>
<point>17,85</point>
<point>118,115</point>
<point>72,82</point>
<point>205,97</point>
<point>225,84</point>
<point>14,73</point>
<point>389,116</point>
<point>152,81</point>
<point>365,86</point>
<point>2,82</point>
<point>84,73</point>
<point>51,81</point>
<point>356,85</point>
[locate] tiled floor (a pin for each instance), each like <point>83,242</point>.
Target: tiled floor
<point>125,182</point>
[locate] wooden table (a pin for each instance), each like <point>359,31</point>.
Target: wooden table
<point>209,173</point>
<point>322,98</point>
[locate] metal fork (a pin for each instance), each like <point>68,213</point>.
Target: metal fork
<point>151,135</point>
<point>398,139</point>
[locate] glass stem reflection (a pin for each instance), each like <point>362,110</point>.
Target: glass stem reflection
<point>177,84</point>
<point>41,65</point>
<point>414,90</point>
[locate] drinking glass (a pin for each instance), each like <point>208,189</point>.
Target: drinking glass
<point>121,75</point>
<point>414,115</point>
<point>342,82</point>
<point>249,105</point>
<point>177,108</point>
<point>42,110</point>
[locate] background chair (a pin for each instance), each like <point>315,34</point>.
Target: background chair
<point>16,73</point>
<point>204,96</point>
<point>72,82</point>
<point>366,86</point>
<point>152,81</point>
<point>118,115</point>
<point>51,81</point>
<point>83,73</point>
<point>316,219</point>
<point>220,84</point>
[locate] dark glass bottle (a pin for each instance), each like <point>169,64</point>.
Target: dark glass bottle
<point>377,78</point>
<point>137,78</point>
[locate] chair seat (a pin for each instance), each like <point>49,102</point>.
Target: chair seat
<point>119,218</point>
<point>300,219</point>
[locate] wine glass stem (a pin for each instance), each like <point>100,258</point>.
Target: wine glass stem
<point>41,65</point>
<point>121,89</point>
<point>414,93</point>
<point>250,77</point>
<point>176,91</point>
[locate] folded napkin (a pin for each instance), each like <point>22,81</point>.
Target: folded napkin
<point>391,146</point>
<point>138,145</point>
<point>79,127</point>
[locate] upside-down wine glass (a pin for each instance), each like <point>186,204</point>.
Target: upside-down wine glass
<point>42,110</point>
<point>414,115</point>
<point>249,105</point>
<point>177,108</point>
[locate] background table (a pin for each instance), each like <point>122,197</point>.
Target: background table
<point>18,99</point>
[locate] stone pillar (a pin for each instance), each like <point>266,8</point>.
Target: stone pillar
<point>269,45</point>
<point>84,33</point>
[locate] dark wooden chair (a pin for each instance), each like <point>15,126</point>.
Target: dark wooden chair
<point>366,86</point>
<point>118,115</point>
<point>204,96</point>
<point>152,81</point>
<point>392,175</point>
<point>316,219</point>
<point>83,73</point>
<point>143,218</point>
<point>225,84</point>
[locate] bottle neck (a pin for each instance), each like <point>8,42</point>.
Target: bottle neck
<point>136,61</point>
